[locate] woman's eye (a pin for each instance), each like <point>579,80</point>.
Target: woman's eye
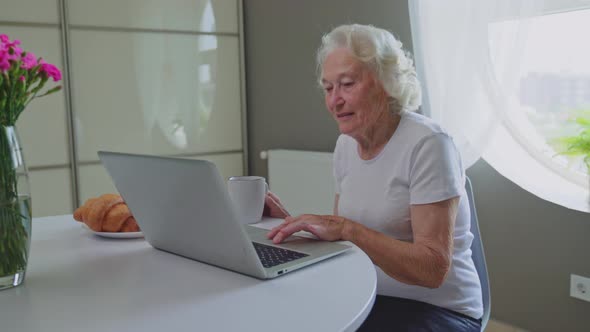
<point>327,88</point>
<point>347,84</point>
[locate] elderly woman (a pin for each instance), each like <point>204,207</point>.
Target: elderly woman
<point>400,193</point>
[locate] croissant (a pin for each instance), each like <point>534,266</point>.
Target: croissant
<point>107,213</point>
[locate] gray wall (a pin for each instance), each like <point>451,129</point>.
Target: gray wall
<point>285,107</point>
<point>531,245</point>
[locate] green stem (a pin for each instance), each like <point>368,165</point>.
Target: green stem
<point>13,234</point>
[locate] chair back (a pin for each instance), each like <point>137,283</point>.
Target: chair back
<point>478,256</point>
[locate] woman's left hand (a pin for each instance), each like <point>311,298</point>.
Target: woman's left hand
<point>329,228</point>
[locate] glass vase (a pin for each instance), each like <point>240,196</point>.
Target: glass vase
<point>15,210</point>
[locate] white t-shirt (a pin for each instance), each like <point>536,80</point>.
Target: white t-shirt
<point>420,164</point>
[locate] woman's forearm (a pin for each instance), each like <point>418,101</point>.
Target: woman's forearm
<point>419,264</point>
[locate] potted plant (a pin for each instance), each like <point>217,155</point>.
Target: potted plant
<point>577,145</point>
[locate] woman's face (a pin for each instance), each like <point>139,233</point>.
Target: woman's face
<point>353,96</point>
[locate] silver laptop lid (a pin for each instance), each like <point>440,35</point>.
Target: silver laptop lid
<point>174,200</point>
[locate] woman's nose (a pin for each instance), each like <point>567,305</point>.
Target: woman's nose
<point>335,97</point>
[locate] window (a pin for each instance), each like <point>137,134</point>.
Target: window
<point>553,84</point>
<point>504,80</point>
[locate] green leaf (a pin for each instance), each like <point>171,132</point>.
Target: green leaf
<point>583,121</point>
<point>578,145</point>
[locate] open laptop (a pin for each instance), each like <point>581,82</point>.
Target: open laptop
<point>182,206</point>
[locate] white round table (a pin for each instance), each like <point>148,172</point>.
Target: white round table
<point>77,281</point>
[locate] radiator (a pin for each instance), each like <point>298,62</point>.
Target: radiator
<point>303,180</point>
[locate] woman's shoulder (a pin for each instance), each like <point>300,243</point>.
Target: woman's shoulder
<point>345,147</point>
<point>342,154</point>
<point>418,124</point>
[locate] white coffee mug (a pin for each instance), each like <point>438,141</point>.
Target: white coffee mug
<point>248,194</point>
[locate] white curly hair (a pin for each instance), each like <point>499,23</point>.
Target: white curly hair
<point>382,53</point>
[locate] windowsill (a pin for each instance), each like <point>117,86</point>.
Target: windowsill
<point>511,160</point>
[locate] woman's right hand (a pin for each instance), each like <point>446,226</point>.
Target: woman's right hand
<point>273,207</point>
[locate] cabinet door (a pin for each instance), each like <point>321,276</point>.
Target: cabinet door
<point>154,77</point>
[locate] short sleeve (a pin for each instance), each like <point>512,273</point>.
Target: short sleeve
<point>338,164</point>
<point>436,170</point>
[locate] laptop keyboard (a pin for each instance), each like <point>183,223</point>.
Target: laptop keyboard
<point>271,256</point>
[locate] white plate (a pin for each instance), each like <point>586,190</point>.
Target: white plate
<point>115,235</point>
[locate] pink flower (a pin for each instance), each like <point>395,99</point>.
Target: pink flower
<point>9,50</point>
<point>15,53</point>
<point>5,40</point>
<point>18,69</point>
<point>51,71</point>
<point>4,64</point>
<point>29,61</point>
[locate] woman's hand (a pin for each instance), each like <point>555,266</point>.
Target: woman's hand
<point>273,207</point>
<point>329,228</point>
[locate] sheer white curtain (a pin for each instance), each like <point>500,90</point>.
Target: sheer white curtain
<point>469,57</point>
<point>453,53</point>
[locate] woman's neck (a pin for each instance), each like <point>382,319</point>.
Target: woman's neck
<point>374,139</point>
